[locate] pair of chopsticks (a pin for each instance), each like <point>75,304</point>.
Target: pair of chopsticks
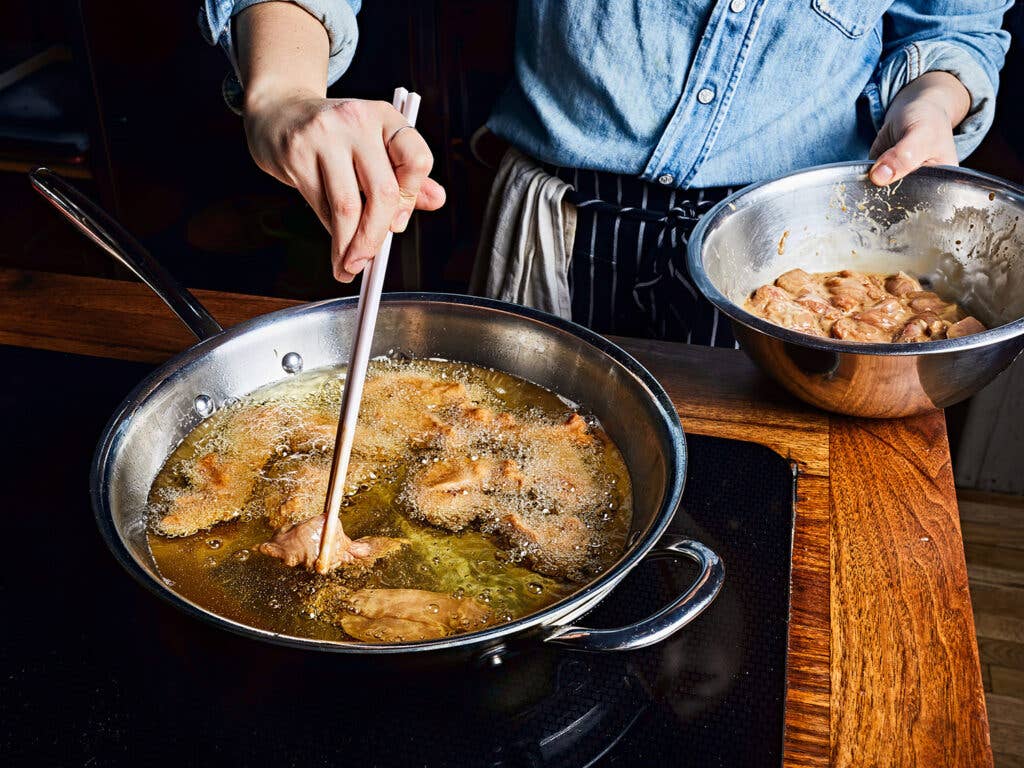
<point>352,395</point>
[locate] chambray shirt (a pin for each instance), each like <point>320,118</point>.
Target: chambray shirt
<point>702,94</point>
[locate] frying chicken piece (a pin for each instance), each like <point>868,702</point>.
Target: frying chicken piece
<point>795,281</point>
<point>964,327</point>
<point>398,615</point>
<point>886,315</point>
<point>450,494</point>
<point>222,481</point>
<point>555,545</point>
<point>579,431</point>
<point>455,492</point>
<point>299,544</point>
<point>482,416</point>
<point>850,329</point>
<point>404,410</point>
<point>221,486</point>
<point>298,487</point>
<point>901,284</point>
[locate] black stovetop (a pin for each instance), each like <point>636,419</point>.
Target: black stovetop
<point>97,671</point>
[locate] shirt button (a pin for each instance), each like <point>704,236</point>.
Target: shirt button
<point>737,6</point>
<point>666,179</point>
<point>705,95</point>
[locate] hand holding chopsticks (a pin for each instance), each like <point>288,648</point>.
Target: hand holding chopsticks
<point>351,397</point>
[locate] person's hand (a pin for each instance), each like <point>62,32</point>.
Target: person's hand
<point>331,150</point>
<point>918,128</point>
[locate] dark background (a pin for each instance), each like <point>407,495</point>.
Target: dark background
<point>129,104</point>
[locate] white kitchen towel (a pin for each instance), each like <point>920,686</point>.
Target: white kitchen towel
<point>526,239</point>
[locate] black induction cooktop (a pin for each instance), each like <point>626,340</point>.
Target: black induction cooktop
<point>97,671</point>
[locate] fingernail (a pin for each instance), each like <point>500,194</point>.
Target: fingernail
<point>401,221</point>
<point>881,174</point>
<point>356,267</point>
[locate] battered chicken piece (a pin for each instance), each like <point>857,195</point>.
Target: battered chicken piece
<point>401,409</point>
<point>857,306</point>
<point>819,305</point>
<point>579,431</point>
<point>222,480</point>
<point>450,494</point>
<point>555,545</point>
<point>765,295</point>
<point>926,301</point>
<point>786,312</point>
<point>454,493</point>
<point>299,544</point>
<point>850,289</point>
<point>964,327</point>
<point>887,315</point>
<point>924,327</point>
<point>299,488</point>
<point>398,615</point>
<point>795,281</point>
<point>851,329</point>
<point>221,486</point>
<point>901,284</point>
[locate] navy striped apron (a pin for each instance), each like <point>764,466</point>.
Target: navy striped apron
<point>628,272</point>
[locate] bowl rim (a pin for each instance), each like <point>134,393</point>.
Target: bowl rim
<point>695,262</point>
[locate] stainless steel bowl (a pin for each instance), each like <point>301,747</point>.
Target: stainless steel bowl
<point>958,229</point>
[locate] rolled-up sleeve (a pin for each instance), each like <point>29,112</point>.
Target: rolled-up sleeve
<point>963,38</point>
<point>337,16</point>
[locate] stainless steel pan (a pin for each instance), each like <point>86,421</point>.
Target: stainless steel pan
<point>228,364</point>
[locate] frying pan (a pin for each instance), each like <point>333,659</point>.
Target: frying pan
<point>228,364</point>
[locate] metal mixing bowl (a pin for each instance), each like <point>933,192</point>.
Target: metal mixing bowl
<point>958,230</point>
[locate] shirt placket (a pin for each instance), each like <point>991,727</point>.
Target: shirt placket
<point>707,92</point>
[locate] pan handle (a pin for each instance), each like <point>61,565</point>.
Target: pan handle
<point>665,622</point>
<point>103,230</point>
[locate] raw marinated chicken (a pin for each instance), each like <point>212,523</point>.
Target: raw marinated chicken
<point>398,615</point>
<point>857,306</point>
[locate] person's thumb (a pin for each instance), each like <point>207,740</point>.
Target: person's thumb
<point>915,148</point>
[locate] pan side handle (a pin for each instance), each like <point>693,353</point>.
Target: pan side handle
<point>102,229</point>
<point>665,622</point>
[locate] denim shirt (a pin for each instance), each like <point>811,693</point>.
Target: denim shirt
<point>701,94</point>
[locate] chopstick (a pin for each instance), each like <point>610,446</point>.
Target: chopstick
<point>369,303</point>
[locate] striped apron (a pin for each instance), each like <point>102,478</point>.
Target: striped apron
<point>628,273</point>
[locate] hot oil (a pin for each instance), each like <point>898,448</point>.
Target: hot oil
<point>221,569</point>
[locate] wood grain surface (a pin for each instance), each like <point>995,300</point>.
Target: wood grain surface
<point>906,682</point>
<point>883,666</point>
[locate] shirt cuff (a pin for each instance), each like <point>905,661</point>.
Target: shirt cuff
<point>917,58</point>
<point>337,16</point>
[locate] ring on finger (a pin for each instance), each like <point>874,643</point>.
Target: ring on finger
<point>387,144</point>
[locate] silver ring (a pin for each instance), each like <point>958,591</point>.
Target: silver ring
<point>387,144</point>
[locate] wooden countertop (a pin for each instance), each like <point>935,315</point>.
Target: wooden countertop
<point>883,661</point>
